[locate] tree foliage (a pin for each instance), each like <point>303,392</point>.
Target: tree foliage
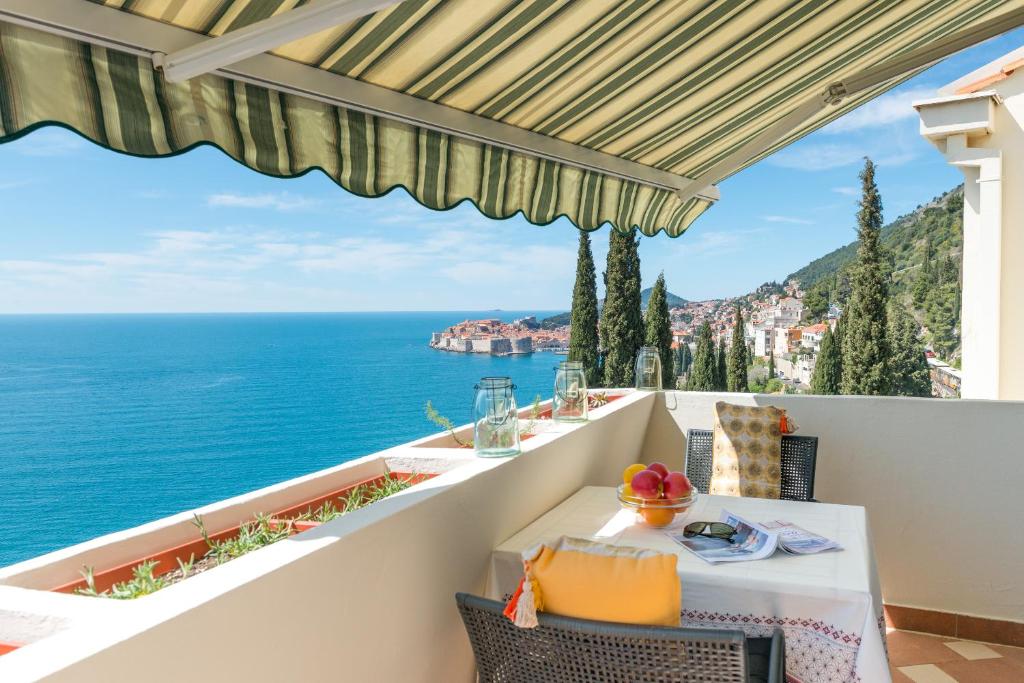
<point>816,301</point>
<point>621,326</point>
<point>737,361</point>
<point>705,362</point>
<point>828,369</point>
<point>865,340</point>
<point>583,339</point>
<point>683,359</point>
<point>659,331</point>
<point>722,369</point>
<point>907,363</point>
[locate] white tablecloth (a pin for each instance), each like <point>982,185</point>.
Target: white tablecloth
<point>829,604</point>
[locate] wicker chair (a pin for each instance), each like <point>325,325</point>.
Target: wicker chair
<point>799,455</point>
<point>565,650</point>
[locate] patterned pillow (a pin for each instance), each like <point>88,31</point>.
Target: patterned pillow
<point>746,451</point>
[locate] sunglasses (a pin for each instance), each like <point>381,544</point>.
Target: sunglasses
<point>719,530</point>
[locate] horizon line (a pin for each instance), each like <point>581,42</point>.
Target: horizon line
<point>126,313</point>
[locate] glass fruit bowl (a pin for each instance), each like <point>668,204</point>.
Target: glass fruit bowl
<point>656,513</point>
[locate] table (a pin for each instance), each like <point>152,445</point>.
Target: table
<point>829,604</point>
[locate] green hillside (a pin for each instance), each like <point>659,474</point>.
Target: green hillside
<point>904,238</point>
<point>925,249</point>
<point>673,300</point>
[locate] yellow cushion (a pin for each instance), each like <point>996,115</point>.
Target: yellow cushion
<point>587,580</point>
<point>746,451</point>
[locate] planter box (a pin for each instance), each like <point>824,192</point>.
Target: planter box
<point>168,559</point>
<point>7,646</point>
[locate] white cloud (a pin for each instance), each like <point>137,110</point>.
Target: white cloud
<point>280,201</point>
<point>719,242</point>
<point>848,191</point>
<point>787,219</point>
<point>51,142</point>
<point>884,110</point>
<point>825,156</point>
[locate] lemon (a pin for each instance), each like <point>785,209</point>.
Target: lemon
<point>630,472</point>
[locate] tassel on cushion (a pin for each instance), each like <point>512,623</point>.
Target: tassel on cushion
<point>522,607</point>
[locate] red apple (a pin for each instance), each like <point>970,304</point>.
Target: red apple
<point>646,484</point>
<point>659,468</point>
<point>676,485</point>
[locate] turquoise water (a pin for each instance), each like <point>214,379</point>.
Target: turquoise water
<point>107,422</point>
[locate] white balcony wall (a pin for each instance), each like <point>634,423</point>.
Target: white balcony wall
<point>367,597</point>
<point>942,482</point>
<point>370,595</point>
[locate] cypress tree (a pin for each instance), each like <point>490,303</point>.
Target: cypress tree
<point>908,364</point>
<point>771,364</point>
<point>737,375</point>
<point>865,343</point>
<point>622,330</point>
<point>722,374</point>
<point>659,331</point>
<point>583,343</point>
<point>685,358</point>
<point>828,369</point>
<point>705,364</point>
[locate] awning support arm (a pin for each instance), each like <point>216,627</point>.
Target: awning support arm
<point>272,32</point>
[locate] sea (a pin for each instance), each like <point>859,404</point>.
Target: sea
<point>110,421</point>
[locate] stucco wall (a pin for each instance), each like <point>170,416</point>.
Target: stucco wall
<point>367,597</point>
<point>942,482</point>
<point>1008,136</point>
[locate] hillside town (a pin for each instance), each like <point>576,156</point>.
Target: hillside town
<point>776,328</point>
<point>495,337</point>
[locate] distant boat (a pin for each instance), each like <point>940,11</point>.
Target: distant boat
<point>562,352</point>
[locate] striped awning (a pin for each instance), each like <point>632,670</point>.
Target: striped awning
<point>672,85</point>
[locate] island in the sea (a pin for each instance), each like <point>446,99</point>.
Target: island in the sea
<point>491,335</point>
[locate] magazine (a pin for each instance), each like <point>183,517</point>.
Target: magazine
<point>753,541</point>
<point>797,540</point>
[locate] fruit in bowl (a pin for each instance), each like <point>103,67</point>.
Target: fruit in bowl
<point>655,493</point>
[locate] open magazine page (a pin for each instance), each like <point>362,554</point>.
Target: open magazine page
<point>797,540</point>
<point>751,542</point>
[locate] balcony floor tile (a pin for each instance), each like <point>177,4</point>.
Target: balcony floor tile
<point>924,658</point>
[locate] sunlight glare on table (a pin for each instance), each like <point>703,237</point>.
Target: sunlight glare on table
<point>622,520</point>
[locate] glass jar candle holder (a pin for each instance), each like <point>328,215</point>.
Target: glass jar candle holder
<point>648,369</point>
<point>570,401</point>
<point>495,418</point>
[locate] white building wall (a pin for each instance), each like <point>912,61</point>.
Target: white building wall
<point>982,134</point>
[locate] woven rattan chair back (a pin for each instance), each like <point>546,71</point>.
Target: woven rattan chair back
<point>565,650</point>
<point>799,457</point>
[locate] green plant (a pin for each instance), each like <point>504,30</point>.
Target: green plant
<point>531,424</point>
<point>446,424</point>
<point>252,535</point>
<point>186,567</point>
<point>143,582</point>
<point>90,583</point>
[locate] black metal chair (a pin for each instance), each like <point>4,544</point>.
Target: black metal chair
<point>566,650</point>
<point>799,456</point>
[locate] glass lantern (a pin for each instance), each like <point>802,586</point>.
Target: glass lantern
<point>495,418</point>
<point>648,369</point>
<point>570,401</point>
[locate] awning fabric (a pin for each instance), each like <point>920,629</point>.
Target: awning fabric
<point>672,84</point>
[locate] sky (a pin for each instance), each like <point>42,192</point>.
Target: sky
<point>86,230</point>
